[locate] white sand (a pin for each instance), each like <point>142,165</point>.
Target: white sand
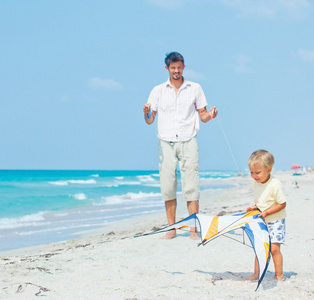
<point>112,264</point>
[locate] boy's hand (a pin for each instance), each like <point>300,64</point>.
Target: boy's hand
<point>250,208</point>
<point>263,214</point>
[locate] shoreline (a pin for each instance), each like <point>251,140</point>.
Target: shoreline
<point>121,225</point>
<point>110,263</point>
<point>81,202</point>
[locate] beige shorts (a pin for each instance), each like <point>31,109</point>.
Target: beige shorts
<point>186,153</point>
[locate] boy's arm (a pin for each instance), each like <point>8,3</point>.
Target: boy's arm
<point>273,210</point>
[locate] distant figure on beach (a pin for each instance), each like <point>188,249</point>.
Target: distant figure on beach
<point>179,102</point>
<point>296,184</point>
<point>270,200</point>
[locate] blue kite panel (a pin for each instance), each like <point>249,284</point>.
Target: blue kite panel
<point>249,232</point>
<point>263,226</point>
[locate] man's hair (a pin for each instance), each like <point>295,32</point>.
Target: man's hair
<point>263,156</point>
<point>173,57</point>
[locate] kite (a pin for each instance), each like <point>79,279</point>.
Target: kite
<point>212,227</point>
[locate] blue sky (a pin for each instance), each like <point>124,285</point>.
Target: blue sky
<point>76,74</point>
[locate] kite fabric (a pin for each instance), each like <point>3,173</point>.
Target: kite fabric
<point>212,227</point>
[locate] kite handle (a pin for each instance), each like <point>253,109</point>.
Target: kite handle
<point>148,115</point>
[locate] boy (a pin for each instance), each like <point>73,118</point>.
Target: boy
<point>270,200</point>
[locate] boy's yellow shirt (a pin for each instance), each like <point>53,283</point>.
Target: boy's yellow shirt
<point>267,195</point>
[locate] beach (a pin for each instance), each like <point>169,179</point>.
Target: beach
<point>110,263</point>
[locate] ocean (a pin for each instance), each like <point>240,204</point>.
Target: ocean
<point>44,206</point>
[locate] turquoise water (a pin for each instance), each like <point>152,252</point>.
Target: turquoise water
<point>39,207</point>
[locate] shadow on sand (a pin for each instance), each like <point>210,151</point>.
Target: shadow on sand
<point>267,283</point>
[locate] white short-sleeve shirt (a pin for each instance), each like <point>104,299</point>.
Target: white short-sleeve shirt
<point>178,119</point>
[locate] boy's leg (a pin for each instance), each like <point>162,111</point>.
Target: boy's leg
<point>256,270</point>
<point>278,261</point>
<point>277,236</point>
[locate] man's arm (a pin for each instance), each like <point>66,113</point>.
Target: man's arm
<point>206,116</point>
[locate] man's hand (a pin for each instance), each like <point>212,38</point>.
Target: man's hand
<point>205,115</point>
<point>213,112</point>
<point>149,115</point>
<point>146,108</point>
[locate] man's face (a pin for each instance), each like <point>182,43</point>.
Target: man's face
<point>175,70</point>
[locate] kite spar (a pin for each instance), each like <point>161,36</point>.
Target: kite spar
<point>211,227</point>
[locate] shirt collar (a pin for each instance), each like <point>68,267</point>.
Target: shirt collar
<point>184,84</point>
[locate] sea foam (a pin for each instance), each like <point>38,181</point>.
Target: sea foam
<point>80,196</point>
<point>27,220</point>
<point>129,197</point>
<point>72,181</point>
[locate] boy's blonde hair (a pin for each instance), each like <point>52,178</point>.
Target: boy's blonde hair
<point>263,156</point>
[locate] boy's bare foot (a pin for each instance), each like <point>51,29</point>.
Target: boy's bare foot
<point>279,278</point>
<point>253,277</point>
<point>169,235</point>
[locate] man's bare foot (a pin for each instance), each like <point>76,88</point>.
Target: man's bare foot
<point>279,278</point>
<point>253,277</point>
<point>194,235</point>
<point>169,235</point>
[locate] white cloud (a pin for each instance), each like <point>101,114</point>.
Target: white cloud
<point>192,75</point>
<point>292,9</point>
<point>107,84</point>
<point>306,55</point>
<point>242,64</point>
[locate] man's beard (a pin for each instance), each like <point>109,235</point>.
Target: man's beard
<point>176,77</point>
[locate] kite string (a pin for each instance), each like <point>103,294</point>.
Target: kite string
<point>228,144</point>
<point>224,235</point>
<point>243,243</point>
<point>149,115</point>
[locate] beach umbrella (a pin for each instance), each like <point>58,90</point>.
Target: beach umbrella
<point>295,166</point>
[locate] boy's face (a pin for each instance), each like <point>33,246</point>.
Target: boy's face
<point>259,173</point>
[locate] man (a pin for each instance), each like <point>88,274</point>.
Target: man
<point>179,103</point>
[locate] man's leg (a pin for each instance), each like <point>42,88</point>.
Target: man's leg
<point>189,166</point>
<point>168,182</point>
<point>171,206</point>
<point>193,207</point>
